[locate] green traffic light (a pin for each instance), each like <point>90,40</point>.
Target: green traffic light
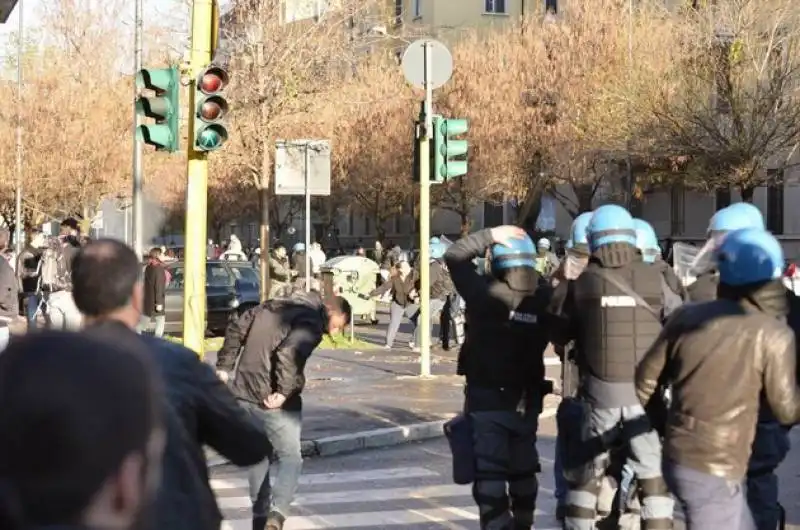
<point>211,137</point>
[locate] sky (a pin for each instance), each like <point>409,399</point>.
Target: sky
<point>32,10</point>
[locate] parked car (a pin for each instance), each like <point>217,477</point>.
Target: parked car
<point>232,287</point>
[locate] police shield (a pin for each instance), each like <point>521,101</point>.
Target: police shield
<point>685,258</point>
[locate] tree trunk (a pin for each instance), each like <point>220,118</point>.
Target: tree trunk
<point>585,195</point>
<point>466,222</point>
<point>747,193</point>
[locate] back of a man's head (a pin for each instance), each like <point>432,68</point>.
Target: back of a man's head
<point>104,276</point>
<point>81,423</point>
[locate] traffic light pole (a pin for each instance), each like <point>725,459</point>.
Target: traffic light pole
<point>424,321</point>
<point>136,192</point>
<point>194,295</point>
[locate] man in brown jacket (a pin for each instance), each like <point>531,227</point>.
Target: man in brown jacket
<point>719,356</point>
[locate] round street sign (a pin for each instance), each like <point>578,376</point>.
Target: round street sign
<point>414,63</point>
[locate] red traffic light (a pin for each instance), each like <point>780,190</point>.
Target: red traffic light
<point>212,80</point>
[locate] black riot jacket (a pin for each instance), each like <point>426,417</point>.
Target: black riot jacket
<point>611,332</point>
<point>505,334</point>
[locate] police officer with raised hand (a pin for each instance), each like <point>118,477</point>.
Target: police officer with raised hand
<point>733,217</point>
<point>612,313</point>
<point>502,359</point>
<point>673,293</point>
<point>771,443</point>
<point>719,356</point>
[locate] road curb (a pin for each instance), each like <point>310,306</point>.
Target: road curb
<point>359,441</point>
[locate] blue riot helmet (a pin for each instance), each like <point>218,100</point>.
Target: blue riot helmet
<point>299,247</point>
<point>735,217</point>
<point>437,249</point>
<point>611,224</point>
<point>521,253</point>
<point>646,240</point>
<point>749,256</point>
<point>434,240</point>
<point>577,233</point>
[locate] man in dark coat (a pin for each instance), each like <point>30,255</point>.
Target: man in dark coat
<point>200,409</point>
<point>155,290</point>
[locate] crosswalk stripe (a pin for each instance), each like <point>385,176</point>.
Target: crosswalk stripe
<point>335,478</point>
<point>371,519</point>
<point>354,496</point>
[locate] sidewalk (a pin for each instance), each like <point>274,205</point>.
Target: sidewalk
<point>355,400</point>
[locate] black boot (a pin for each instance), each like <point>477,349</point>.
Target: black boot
<point>259,523</point>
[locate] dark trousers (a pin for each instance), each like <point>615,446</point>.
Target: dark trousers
<point>506,465</point>
<point>708,502</point>
<point>770,446</point>
<point>283,428</point>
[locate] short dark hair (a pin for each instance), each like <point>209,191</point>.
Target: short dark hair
<point>155,252</point>
<point>104,273</point>
<point>74,407</point>
<point>71,223</point>
<point>338,304</point>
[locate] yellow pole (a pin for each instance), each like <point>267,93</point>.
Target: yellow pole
<point>424,319</point>
<point>194,294</point>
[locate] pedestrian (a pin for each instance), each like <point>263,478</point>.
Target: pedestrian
<point>711,424</point>
<point>155,293</point>
<point>268,347</point>
<point>771,442</point>
<point>280,272</point>
<point>400,286</point>
<point>612,311</point>
<point>82,434</point>
<point>502,360</point>
<point>440,288</point>
<point>55,277</point>
<point>9,293</point>
<point>28,272</point>
<point>108,290</point>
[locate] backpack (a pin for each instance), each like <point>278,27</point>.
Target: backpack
<point>54,273</point>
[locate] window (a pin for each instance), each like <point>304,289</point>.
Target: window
<point>496,6</point>
<point>176,278</point>
<point>775,191</point>
<point>246,275</point>
<point>367,226</point>
<point>217,276</point>
<point>417,8</point>
<point>723,198</point>
<point>398,12</point>
<point>551,7</point>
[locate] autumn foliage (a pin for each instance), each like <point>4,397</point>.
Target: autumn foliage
<point>566,106</point>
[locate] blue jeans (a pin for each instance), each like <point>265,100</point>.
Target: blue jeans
<point>434,308</point>
<point>283,428</point>
<point>31,306</point>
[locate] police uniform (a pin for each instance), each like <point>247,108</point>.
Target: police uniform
<point>612,331</point>
<point>502,359</point>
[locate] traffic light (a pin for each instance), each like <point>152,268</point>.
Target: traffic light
<point>210,108</point>
<point>448,150</point>
<point>164,107</point>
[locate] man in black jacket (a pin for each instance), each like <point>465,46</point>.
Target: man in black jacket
<point>502,360</point>
<point>269,346</point>
<point>108,291</point>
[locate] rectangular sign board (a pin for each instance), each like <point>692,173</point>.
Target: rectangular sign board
<point>290,167</point>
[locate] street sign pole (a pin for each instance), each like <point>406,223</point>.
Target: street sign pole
<point>424,321</point>
<point>307,257</point>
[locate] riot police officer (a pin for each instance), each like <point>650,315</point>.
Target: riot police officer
<point>733,217</point>
<point>577,256</point>
<point>711,423</point>
<point>502,359</point>
<point>771,442</point>
<point>611,311</point>
<point>673,292</point>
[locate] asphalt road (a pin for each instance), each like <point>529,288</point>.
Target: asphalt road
<point>409,487</point>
